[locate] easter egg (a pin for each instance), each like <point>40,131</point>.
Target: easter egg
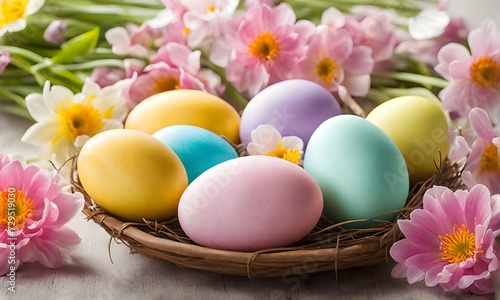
<point>197,148</point>
<point>132,175</point>
<point>359,169</point>
<point>419,128</point>
<point>250,203</point>
<point>185,107</point>
<point>294,107</point>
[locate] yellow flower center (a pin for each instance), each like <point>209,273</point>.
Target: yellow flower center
<point>12,10</point>
<point>163,84</point>
<point>265,46</point>
<point>485,72</point>
<point>326,69</point>
<point>489,161</point>
<point>458,246</point>
<point>186,31</point>
<point>292,155</point>
<point>211,8</point>
<point>15,209</point>
<point>80,119</point>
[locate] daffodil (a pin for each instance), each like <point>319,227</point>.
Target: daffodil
<point>65,120</point>
<point>13,14</point>
<point>266,140</point>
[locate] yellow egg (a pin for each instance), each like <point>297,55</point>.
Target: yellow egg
<point>185,107</point>
<point>132,175</point>
<point>419,128</point>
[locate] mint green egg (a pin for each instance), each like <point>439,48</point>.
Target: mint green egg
<point>360,170</point>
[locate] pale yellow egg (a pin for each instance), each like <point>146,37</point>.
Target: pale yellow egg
<point>419,128</point>
<point>185,107</point>
<point>132,175</point>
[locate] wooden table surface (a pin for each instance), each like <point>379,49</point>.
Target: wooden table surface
<point>90,274</point>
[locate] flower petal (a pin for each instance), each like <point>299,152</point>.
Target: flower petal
<point>478,206</point>
<point>37,109</point>
<point>449,53</point>
<point>429,23</point>
<point>40,133</point>
<point>293,142</point>
<point>256,149</point>
<point>484,39</point>
<point>11,176</point>
<point>69,205</point>
<point>266,135</point>
<point>480,122</point>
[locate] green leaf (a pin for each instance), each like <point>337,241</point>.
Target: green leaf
<point>77,46</point>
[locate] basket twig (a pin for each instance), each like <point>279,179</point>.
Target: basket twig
<point>327,247</point>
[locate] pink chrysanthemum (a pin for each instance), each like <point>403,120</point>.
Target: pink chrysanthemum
<point>33,214</point>
<point>267,49</point>
<point>475,76</point>
<point>483,163</point>
<point>451,241</point>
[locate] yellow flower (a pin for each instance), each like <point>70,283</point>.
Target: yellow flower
<point>268,141</point>
<point>66,121</point>
<point>13,14</point>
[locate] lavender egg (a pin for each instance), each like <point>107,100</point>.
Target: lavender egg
<point>294,107</point>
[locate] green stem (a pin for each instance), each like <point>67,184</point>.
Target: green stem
<point>230,89</point>
<point>17,111</point>
<point>93,64</point>
<point>14,97</point>
<point>415,78</point>
<point>23,52</point>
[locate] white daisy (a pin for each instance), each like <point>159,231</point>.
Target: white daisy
<point>266,140</point>
<point>13,14</point>
<point>66,121</point>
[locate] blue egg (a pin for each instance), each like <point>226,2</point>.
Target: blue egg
<point>198,149</point>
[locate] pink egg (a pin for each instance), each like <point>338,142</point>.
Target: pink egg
<point>250,203</point>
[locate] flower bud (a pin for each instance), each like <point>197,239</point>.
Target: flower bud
<point>54,33</point>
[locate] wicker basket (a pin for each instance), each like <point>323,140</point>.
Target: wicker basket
<point>327,247</point>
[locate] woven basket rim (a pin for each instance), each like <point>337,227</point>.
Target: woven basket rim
<point>346,248</point>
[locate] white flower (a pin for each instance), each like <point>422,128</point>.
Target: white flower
<point>13,14</point>
<point>65,121</point>
<point>268,141</point>
<point>428,24</point>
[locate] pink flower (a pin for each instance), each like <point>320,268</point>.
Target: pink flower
<point>105,76</point>
<point>475,76</point>
<point>176,6</point>
<point>205,19</point>
<point>333,61</point>
<point>36,231</point>
<point>377,32</point>
<point>483,163</point>
<point>451,241</point>
<point>267,48</point>
<point>181,56</point>
<point>160,77</point>
<point>174,31</point>
<point>133,40</point>
<point>54,33</point>
<point>4,61</point>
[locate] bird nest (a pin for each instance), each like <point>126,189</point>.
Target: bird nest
<point>329,246</point>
